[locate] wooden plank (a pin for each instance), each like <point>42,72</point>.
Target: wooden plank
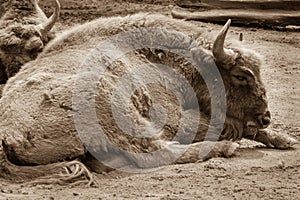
<point>263,18</point>
<point>241,4</point>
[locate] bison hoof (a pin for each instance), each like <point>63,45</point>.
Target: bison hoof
<point>230,149</point>
<point>282,141</point>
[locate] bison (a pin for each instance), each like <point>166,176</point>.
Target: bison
<point>24,31</point>
<point>130,93</point>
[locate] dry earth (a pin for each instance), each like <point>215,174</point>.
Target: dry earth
<point>255,173</point>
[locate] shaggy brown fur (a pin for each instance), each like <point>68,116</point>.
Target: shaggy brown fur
<point>38,127</point>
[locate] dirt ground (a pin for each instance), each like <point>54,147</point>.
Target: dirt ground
<point>255,173</point>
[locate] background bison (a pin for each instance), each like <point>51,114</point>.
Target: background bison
<point>24,30</point>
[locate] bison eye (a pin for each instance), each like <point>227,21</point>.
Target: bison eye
<point>240,78</point>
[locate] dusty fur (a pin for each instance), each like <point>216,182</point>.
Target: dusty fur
<point>38,127</point>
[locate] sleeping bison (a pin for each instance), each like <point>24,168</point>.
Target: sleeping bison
<point>132,93</point>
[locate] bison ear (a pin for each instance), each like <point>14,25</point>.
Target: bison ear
<point>221,54</point>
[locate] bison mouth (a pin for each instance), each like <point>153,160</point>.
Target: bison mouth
<point>251,128</point>
<point>252,124</point>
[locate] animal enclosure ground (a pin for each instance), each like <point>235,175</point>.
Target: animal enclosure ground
<point>255,173</point>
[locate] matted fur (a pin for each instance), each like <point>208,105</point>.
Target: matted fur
<point>37,125</point>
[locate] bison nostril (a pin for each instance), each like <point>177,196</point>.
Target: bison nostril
<point>265,121</point>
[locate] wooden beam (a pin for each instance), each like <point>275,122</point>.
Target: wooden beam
<point>241,4</point>
<point>263,18</point>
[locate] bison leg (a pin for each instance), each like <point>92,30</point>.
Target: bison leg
<point>60,173</point>
<point>202,151</point>
<point>275,140</point>
<point>174,152</point>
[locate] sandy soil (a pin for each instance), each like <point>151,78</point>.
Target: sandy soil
<point>255,173</point>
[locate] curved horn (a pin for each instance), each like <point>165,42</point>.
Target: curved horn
<point>45,27</point>
<point>219,52</point>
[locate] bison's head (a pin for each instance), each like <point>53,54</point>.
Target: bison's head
<point>21,42</point>
<point>246,95</point>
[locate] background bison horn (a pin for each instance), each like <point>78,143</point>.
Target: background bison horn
<point>222,55</point>
<point>45,27</point>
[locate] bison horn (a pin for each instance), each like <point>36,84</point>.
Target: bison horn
<point>221,54</point>
<point>45,27</point>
